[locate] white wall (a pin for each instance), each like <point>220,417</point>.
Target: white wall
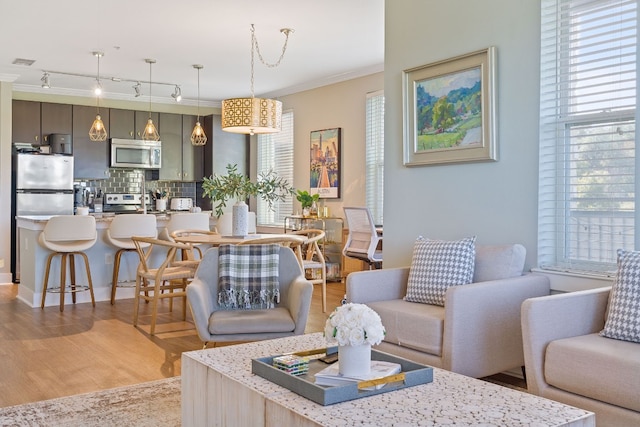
<point>495,201</point>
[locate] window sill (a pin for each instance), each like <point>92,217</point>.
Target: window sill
<point>562,281</point>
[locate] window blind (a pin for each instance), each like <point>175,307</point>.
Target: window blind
<point>587,165</point>
<point>374,167</point>
<point>275,152</point>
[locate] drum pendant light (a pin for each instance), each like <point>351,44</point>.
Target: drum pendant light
<point>254,115</point>
<point>150,132</point>
<point>97,131</point>
<point>198,136</point>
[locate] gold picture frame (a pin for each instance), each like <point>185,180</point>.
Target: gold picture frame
<point>449,110</point>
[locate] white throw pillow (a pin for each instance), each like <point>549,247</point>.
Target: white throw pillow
<point>436,266</point>
<point>623,316</point>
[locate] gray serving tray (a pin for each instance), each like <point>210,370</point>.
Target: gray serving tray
<point>304,385</point>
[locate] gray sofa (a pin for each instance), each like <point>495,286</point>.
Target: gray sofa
<point>568,361</point>
<point>477,332</point>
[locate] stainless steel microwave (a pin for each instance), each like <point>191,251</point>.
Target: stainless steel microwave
<point>136,154</point>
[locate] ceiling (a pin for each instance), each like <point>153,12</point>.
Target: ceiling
<point>333,40</point>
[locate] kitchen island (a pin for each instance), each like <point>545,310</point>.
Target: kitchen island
<point>33,259</point>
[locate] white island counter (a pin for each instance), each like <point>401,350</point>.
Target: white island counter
<point>33,259</point>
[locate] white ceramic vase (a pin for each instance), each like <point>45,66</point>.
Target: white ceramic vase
<point>239,219</point>
<point>354,360</point>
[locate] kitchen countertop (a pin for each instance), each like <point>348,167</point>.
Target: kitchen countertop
<point>37,222</point>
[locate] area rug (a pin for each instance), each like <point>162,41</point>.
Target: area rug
<point>153,403</point>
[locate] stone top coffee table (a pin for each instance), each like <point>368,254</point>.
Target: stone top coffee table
<point>218,389</point>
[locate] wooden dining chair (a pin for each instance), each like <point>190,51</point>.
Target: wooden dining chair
<point>152,282</point>
<point>185,259</point>
<point>311,258</point>
<point>289,240</point>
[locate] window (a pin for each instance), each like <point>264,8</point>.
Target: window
<point>275,152</point>
<point>587,181</point>
<point>374,167</point>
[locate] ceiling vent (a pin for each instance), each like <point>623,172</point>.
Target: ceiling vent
<point>22,61</point>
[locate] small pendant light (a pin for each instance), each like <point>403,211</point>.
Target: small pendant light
<point>198,136</point>
<point>150,131</point>
<point>97,131</point>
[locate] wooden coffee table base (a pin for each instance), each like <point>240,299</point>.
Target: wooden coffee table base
<point>218,388</point>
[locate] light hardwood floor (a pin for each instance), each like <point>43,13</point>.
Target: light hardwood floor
<point>46,354</point>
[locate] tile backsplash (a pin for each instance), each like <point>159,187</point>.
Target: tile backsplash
<point>130,181</point>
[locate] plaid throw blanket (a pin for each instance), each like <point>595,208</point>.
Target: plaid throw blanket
<point>248,276</point>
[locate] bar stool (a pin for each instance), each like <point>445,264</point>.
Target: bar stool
<point>119,234</point>
<point>67,236</point>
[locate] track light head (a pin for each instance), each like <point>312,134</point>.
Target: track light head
<point>137,88</point>
<point>177,94</point>
<point>45,81</point>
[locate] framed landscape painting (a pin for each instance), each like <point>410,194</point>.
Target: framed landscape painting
<point>325,163</point>
<point>448,110</point>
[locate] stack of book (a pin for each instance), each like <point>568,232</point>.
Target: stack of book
<point>330,376</point>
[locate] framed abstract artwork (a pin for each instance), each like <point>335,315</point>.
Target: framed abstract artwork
<point>449,110</point>
<point>325,163</point>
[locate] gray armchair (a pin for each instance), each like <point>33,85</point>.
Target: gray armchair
<point>568,361</point>
<point>214,324</point>
<point>477,332</point>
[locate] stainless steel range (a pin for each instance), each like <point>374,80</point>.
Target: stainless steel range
<point>124,202</point>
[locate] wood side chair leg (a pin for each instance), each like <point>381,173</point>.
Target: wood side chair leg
<point>324,288</point>
<point>154,304</point>
<point>184,299</point>
<point>136,300</point>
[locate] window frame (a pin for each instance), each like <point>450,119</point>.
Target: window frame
<point>569,100</point>
<point>374,154</point>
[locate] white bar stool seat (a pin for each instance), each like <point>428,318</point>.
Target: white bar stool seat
<point>119,234</point>
<point>67,236</point>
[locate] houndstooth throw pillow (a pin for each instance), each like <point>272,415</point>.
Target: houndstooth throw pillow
<point>623,317</point>
<point>437,265</point>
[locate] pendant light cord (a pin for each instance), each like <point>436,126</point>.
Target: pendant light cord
<point>198,109</point>
<point>150,64</point>
<point>255,47</point>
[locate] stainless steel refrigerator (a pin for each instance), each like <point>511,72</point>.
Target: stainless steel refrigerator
<point>42,186</point>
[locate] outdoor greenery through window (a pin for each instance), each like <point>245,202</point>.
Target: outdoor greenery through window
<point>588,167</point>
<point>374,167</point>
<point>275,152</point>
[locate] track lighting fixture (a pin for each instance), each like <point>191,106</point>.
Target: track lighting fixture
<point>177,94</point>
<point>45,81</point>
<point>137,88</point>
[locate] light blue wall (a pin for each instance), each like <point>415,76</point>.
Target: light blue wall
<point>495,201</point>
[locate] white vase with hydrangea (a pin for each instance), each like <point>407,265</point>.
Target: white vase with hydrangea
<point>355,328</point>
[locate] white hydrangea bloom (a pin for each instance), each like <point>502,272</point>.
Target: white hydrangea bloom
<point>354,324</point>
